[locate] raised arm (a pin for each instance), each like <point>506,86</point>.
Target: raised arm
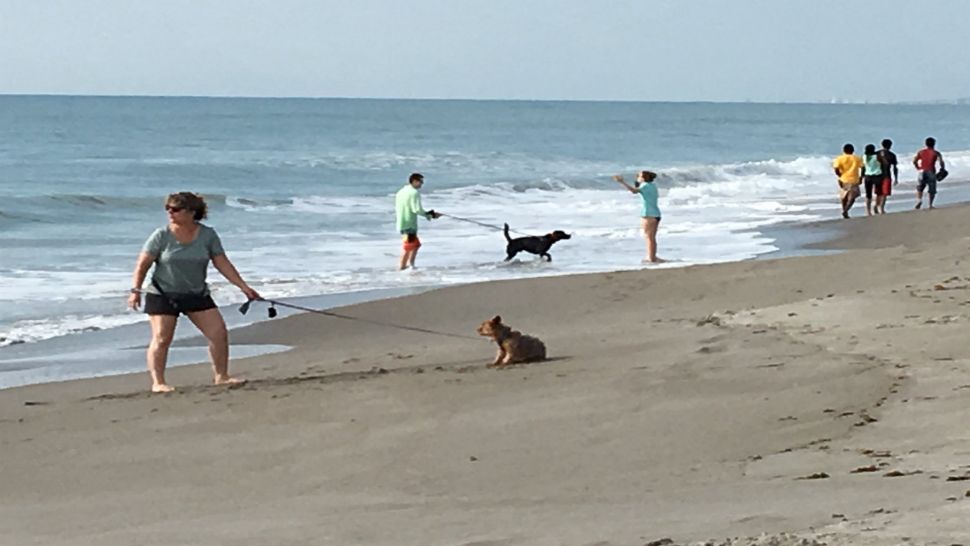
<point>619,178</point>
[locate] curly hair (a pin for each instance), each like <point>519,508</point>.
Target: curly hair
<point>190,201</point>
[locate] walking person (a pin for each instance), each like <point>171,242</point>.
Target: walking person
<point>649,211</point>
<point>925,162</point>
<point>407,207</point>
<point>848,167</point>
<point>181,252</point>
<point>872,175</point>
<point>890,175</point>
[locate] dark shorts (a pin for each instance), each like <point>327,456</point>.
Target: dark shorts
<point>871,183</point>
<point>927,179</point>
<point>176,304</point>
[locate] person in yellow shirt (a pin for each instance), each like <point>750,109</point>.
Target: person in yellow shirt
<point>848,167</point>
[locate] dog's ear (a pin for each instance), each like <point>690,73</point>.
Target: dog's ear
<point>496,319</point>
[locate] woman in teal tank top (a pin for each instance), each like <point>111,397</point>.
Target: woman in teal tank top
<point>871,175</point>
<point>649,211</point>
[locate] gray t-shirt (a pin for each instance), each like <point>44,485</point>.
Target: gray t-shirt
<point>181,269</point>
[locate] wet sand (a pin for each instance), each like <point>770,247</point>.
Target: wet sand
<point>825,396</point>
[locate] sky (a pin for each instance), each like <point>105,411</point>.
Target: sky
<point>639,50</point>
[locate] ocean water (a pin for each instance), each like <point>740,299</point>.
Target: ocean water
<point>301,191</point>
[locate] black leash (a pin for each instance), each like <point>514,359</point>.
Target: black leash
<point>483,224</point>
<point>244,308</point>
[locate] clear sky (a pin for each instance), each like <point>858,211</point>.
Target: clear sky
<point>682,50</point>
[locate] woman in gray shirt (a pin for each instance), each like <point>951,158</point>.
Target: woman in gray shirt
<point>181,252</point>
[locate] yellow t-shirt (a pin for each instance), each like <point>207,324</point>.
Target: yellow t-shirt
<point>849,166</point>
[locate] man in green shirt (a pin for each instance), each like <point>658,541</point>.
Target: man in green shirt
<point>407,206</point>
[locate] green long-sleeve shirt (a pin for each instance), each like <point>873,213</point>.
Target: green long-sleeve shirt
<point>407,206</point>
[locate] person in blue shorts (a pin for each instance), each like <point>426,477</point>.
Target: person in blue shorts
<point>649,211</point>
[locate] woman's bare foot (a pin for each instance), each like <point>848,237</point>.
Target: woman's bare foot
<point>162,387</point>
<point>653,261</point>
<point>229,381</point>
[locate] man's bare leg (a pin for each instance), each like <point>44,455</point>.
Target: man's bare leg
<point>403,262</point>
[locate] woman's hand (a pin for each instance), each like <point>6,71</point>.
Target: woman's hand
<point>618,178</point>
<point>134,300</point>
<point>250,293</point>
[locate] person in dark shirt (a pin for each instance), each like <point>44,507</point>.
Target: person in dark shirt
<point>890,175</point>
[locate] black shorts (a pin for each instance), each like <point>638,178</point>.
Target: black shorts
<point>176,304</point>
<point>872,182</point>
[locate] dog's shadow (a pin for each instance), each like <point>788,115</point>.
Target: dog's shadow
<point>464,367</point>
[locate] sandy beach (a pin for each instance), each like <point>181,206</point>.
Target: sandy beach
<point>821,396</point>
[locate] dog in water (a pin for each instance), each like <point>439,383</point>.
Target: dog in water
<point>535,245</point>
<point>513,346</point>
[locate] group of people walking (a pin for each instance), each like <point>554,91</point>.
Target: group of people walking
<point>878,172</point>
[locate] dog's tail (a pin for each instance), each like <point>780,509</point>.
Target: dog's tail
<point>506,232</point>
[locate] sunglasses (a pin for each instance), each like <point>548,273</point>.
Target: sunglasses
<point>170,208</point>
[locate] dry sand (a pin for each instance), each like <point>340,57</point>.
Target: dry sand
<point>823,396</point>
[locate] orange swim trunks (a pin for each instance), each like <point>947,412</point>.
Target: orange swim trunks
<point>411,242</point>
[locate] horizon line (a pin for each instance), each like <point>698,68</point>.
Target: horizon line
<point>834,102</point>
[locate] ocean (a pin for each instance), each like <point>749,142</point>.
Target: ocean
<point>301,192</point>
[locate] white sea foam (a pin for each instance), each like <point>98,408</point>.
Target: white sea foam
<point>323,244</point>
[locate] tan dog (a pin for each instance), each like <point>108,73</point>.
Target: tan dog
<point>513,347</point>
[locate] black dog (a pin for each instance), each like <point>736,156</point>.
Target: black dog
<point>535,245</point>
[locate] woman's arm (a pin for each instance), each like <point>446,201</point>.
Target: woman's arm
<point>144,263</point>
<point>225,267</point>
<point>619,179</point>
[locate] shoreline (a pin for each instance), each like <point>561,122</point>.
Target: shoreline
<point>113,357</point>
<point>817,395</point>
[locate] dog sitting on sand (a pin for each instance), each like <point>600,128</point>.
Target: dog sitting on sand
<point>513,346</point>
<point>535,245</point>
